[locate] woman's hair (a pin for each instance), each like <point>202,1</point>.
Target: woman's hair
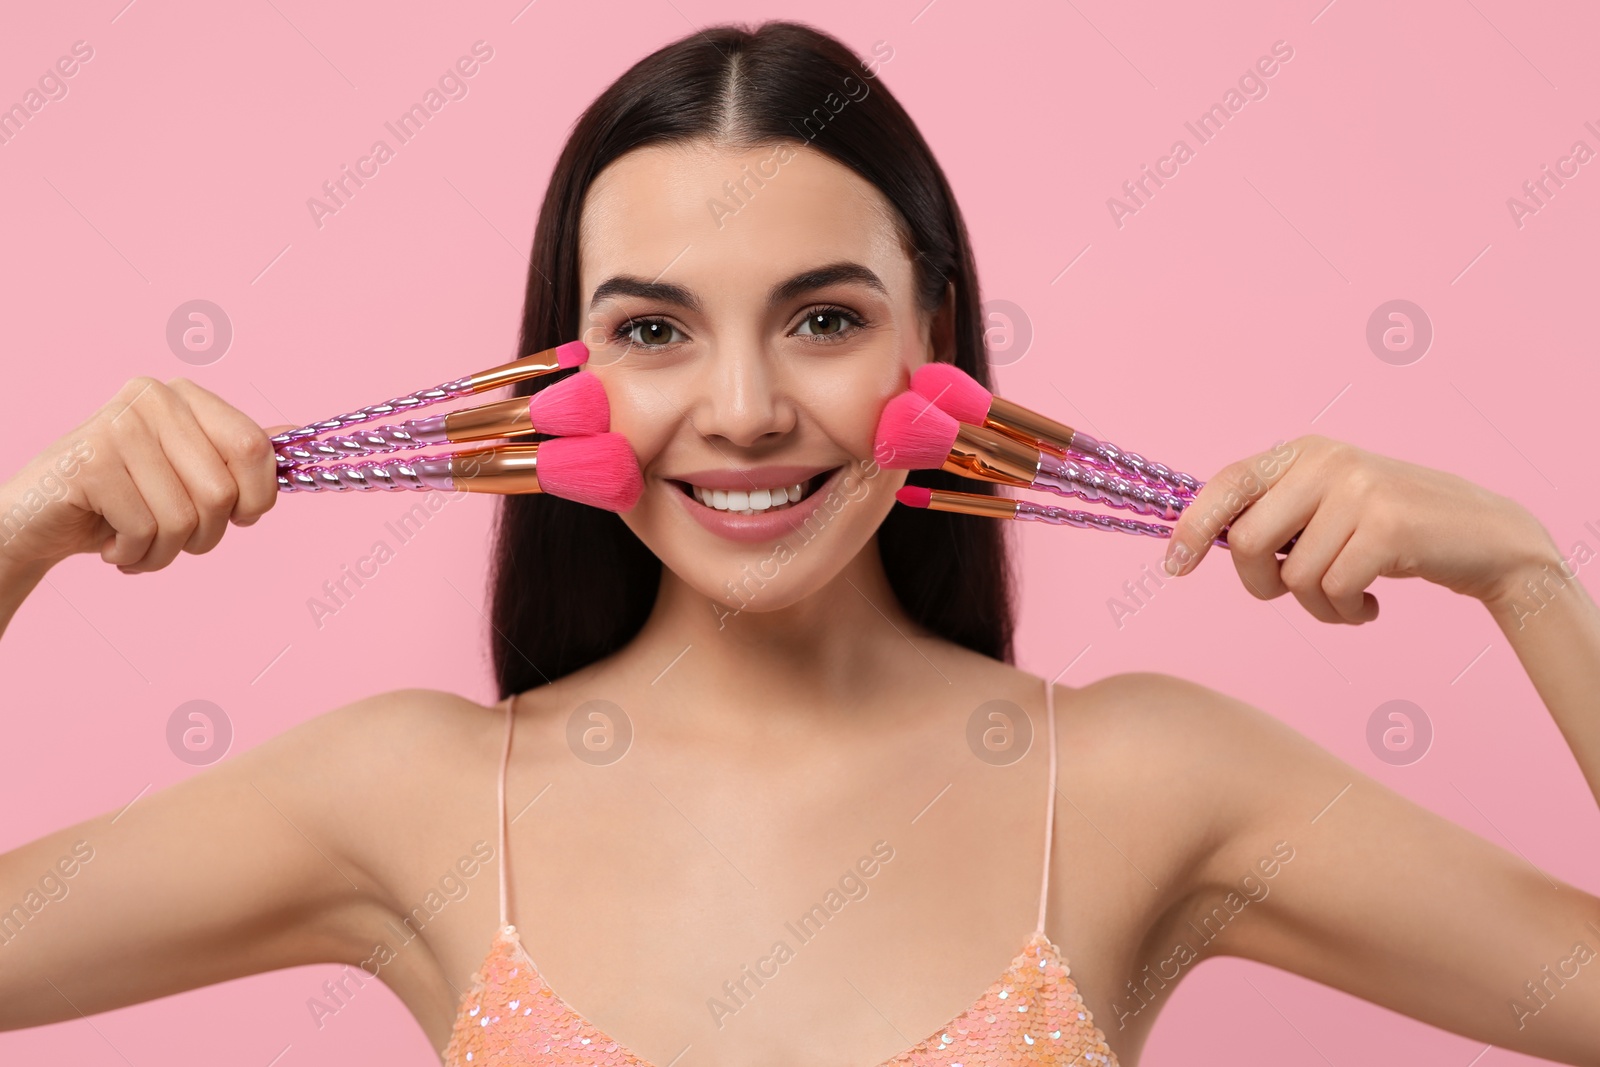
<point>570,583</point>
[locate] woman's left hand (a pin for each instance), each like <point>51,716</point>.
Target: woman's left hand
<point>1364,516</point>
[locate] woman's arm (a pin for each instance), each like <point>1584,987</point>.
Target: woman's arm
<point>1553,626</point>
<point>1319,869</point>
<point>17,583</point>
<point>272,858</point>
<point>1383,898</point>
<point>159,469</point>
<point>224,874</point>
<point>1367,516</point>
<point>311,847</point>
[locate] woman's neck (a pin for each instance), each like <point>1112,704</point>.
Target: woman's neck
<point>845,642</point>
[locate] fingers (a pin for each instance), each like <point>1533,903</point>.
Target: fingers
<point>187,463</point>
<point>1338,552</point>
<point>205,478</point>
<point>1358,565</point>
<point>157,483</point>
<point>1220,501</point>
<point>1303,572</point>
<point>1255,537</point>
<point>244,447</point>
<point>1342,546</point>
<point>122,508</point>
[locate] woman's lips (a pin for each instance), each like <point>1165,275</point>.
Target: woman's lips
<point>768,525</point>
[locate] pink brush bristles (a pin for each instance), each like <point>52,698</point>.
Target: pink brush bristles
<point>913,496</point>
<point>954,390</point>
<point>572,354</point>
<point>913,434</point>
<point>600,471</point>
<point>576,407</point>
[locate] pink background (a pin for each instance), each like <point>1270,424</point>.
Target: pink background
<point>1236,301</point>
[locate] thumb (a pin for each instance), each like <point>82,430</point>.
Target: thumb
<point>271,431</point>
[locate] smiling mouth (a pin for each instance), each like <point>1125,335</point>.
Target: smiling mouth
<point>754,501</point>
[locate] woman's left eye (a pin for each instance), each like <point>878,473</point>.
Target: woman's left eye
<point>831,323</point>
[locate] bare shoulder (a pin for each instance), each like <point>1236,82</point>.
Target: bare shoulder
<point>1213,737</point>
<point>1240,782</point>
<point>1143,695</point>
<point>1135,709</point>
<point>1200,771</point>
<point>1184,743</point>
<point>298,850</point>
<point>1146,714</point>
<point>1175,718</point>
<point>400,732</point>
<point>381,781</point>
<point>426,716</point>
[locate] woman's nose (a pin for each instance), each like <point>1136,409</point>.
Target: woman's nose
<point>742,399</point>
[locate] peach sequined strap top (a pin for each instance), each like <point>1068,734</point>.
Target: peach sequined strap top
<point>1031,1014</point>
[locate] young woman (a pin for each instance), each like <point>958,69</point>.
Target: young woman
<point>800,859</point>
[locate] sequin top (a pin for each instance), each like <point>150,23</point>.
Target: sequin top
<point>1031,1014</point>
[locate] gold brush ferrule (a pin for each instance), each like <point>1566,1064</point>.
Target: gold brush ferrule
<point>995,507</point>
<point>506,469</point>
<point>527,367</point>
<point>504,418</point>
<point>1018,422</point>
<point>991,456</point>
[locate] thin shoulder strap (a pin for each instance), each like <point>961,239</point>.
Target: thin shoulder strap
<point>1050,799</point>
<point>505,757</point>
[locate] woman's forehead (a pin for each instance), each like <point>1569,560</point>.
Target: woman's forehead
<point>734,219</point>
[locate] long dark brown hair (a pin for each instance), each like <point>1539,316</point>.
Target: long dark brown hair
<point>571,584</point>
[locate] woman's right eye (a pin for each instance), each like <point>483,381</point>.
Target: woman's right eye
<point>647,333</point>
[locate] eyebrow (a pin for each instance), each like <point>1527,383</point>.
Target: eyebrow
<point>784,291</point>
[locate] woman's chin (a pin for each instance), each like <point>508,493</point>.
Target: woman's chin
<point>752,589</point>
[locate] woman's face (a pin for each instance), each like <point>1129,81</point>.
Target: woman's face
<point>749,314</point>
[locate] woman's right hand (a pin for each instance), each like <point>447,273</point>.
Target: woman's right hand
<point>161,468</point>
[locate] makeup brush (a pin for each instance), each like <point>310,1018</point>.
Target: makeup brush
<point>999,507</point>
<point>575,407</point>
<point>913,434</point>
<point>600,470</point>
<point>958,394</point>
<point>561,357</point>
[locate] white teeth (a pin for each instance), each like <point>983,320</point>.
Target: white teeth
<point>751,502</point>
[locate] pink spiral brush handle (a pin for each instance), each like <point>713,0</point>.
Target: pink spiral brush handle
<point>1147,471</point>
<point>398,474</point>
<point>1108,467</point>
<point>414,433</point>
<point>388,409</point>
<point>1070,478</point>
<point>1028,511</point>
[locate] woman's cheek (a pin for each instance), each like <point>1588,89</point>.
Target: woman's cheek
<point>638,412</point>
<point>849,410</point>
<point>858,425</point>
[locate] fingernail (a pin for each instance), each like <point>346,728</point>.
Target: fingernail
<point>1177,555</point>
